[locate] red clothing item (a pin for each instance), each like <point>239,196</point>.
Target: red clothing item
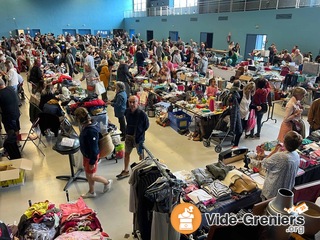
<point>261,95</point>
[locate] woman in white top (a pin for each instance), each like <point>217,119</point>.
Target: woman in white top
<point>11,75</point>
<point>245,106</point>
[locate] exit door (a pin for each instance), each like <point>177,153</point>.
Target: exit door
<point>254,41</point>
<point>149,35</point>
<point>207,38</point>
<point>173,35</point>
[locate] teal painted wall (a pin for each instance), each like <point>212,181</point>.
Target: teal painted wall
<point>301,30</point>
<point>55,15</point>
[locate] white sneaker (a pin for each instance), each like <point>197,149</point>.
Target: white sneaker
<point>89,195</point>
<point>107,187</point>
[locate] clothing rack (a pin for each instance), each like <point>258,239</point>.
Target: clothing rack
<point>161,169</point>
<point>171,184</point>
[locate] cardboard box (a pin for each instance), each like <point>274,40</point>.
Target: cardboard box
<point>13,172</point>
<point>245,78</point>
<point>14,182</point>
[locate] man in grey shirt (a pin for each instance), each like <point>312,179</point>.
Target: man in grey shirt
<point>282,165</point>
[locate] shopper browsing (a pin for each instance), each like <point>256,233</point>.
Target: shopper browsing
<point>119,104</point>
<point>282,165</point>
<point>9,106</point>
<point>314,115</point>
<point>137,125</point>
<point>89,139</point>
<point>292,113</point>
<point>260,102</point>
<point>245,108</point>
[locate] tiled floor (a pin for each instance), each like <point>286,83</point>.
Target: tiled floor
<point>175,150</point>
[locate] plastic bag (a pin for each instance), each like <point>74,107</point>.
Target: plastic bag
<point>251,121</point>
<point>100,88</point>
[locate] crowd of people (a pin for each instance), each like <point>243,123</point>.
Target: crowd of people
<point>159,60</point>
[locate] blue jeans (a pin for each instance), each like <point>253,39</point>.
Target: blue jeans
<point>259,116</point>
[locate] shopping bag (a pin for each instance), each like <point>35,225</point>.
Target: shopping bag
<point>100,88</point>
<point>105,145</point>
<point>251,121</point>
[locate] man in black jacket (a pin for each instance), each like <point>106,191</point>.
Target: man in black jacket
<point>123,75</point>
<point>9,106</point>
<point>137,125</point>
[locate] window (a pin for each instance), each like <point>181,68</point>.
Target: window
<point>185,3</point>
<point>139,5</point>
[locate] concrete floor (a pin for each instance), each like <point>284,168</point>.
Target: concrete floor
<point>175,150</point>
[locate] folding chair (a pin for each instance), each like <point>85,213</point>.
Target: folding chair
<point>32,136</point>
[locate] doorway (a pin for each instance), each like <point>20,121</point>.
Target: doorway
<point>131,33</point>
<point>84,31</point>
<point>173,36</point>
<point>149,35</point>
<point>72,32</point>
<point>254,41</point>
<point>207,38</point>
<point>34,32</point>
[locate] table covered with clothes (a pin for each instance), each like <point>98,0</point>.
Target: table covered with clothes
<point>213,190</point>
<point>95,106</point>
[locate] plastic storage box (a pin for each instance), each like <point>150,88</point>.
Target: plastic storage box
<point>179,120</point>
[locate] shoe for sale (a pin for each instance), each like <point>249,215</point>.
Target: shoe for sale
<point>89,195</point>
<point>197,138</point>
<point>107,187</point>
<point>123,174</point>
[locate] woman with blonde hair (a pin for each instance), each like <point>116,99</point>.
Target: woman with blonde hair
<point>245,107</point>
<point>104,77</point>
<point>292,113</point>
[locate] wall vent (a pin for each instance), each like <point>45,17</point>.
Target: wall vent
<point>223,18</point>
<point>193,19</point>
<point>137,20</point>
<point>164,20</point>
<point>283,16</point>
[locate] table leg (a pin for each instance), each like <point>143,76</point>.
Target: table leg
<point>73,177</point>
<point>270,114</point>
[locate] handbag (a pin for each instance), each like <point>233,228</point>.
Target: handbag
<point>298,126</point>
<point>105,145</point>
<point>99,88</point>
<point>251,123</point>
<point>264,107</point>
<point>242,184</point>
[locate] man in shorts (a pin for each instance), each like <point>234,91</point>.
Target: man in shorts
<point>137,125</point>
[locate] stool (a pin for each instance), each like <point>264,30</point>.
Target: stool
<point>63,150</point>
